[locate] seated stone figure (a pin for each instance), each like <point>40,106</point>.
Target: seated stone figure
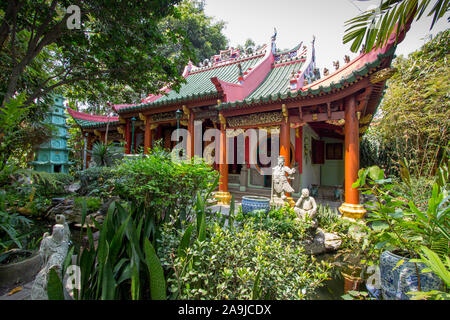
<point>306,206</point>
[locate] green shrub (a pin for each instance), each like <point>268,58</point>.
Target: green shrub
<point>162,185</point>
<point>92,203</point>
<point>52,184</point>
<point>97,181</point>
<point>241,263</point>
<point>10,224</point>
<point>281,222</point>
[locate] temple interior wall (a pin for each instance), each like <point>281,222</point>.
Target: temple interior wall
<point>332,172</point>
<point>311,172</point>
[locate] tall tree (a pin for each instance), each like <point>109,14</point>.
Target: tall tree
<point>202,31</point>
<point>116,44</point>
<point>374,27</point>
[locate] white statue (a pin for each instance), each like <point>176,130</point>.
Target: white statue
<point>280,182</point>
<point>61,219</point>
<point>53,252</point>
<point>306,206</point>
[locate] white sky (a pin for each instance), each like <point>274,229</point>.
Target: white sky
<point>299,20</point>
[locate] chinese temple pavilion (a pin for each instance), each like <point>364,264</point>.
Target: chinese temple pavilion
<point>318,119</point>
<point>53,155</point>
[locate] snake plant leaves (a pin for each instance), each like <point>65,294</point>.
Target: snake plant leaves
<point>156,273</point>
<point>108,282</point>
<point>54,286</point>
<point>185,241</point>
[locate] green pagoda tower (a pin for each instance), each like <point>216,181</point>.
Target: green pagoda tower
<point>53,156</point>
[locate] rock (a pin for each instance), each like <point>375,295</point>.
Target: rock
<point>322,242</point>
<point>74,187</point>
<point>55,201</point>
<point>66,208</point>
<point>332,241</point>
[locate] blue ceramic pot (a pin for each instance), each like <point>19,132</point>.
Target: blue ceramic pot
<point>396,283</point>
<point>251,203</point>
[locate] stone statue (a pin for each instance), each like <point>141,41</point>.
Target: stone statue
<point>53,252</point>
<point>306,206</point>
<point>280,183</point>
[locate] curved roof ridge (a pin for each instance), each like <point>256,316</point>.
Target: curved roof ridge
<point>287,51</point>
<point>227,63</point>
<point>91,117</point>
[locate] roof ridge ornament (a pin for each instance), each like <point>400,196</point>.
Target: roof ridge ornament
<point>274,39</point>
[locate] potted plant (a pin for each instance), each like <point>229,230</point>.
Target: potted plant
<point>402,225</point>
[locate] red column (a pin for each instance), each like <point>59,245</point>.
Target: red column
<point>223,196</point>
<point>351,208</point>
<point>299,148</point>
<point>285,136</point>
<point>191,138</point>
<point>247,151</point>
<point>88,148</point>
<point>285,148</point>
<point>223,166</point>
<point>147,136</point>
<point>351,151</point>
<point>128,136</point>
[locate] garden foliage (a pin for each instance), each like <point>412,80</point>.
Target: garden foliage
<point>414,113</point>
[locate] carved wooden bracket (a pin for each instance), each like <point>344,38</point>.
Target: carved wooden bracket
<point>121,130</point>
<point>285,112</point>
<point>186,111</point>
<point>222,120</point>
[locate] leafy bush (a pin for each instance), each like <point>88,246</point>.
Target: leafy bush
<point>45,183</point>
<point>51,184</point>
<point>399,219</point>
<point>279,222</point>
<point>242,263</point>
<point>97,181</point>
<point>162,185</point>
<point>92,203</point>
<point>9,224</point>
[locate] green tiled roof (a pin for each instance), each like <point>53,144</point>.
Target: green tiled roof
<point>277,81</point>
<point>198,83</point>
